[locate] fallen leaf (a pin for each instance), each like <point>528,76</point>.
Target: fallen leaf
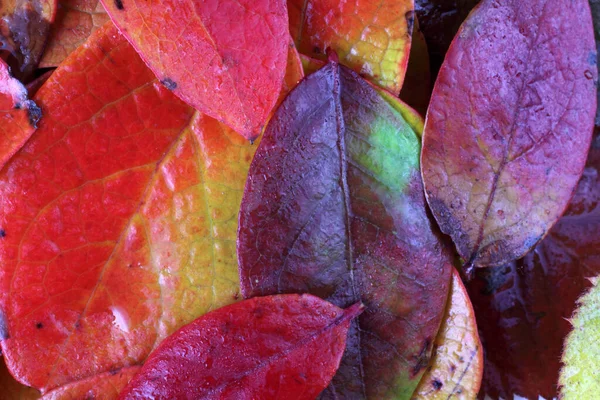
<point>506,137</point>
<point>24,27</point>
<point>371,37</point>
<point>457,366</point>
<point>275,347</point>
<point>580,376</point>
<point>18,115</point>
<point>118,219</point>
<point>226,58</point>
<point>522,308</point>
<point>75,21</point>
<point>103,386</point>
<point>334,206</point>
<point>416,90</point>
<point>35,85</point>
<point>13,390</point>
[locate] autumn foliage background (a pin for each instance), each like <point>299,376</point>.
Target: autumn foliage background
<point>162,160</point>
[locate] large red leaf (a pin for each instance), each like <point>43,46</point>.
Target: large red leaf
<point>224,57</point>
<point>275,347</point>
<point>506,136</point>
<point>522,308</point>
<point>334,206</point>
<point>118,219</point>
<point>370,36</point>
<point>18,115</point>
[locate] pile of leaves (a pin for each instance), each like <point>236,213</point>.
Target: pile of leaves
<point>241,199</point>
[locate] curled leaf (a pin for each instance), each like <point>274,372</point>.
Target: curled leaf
<point>457,366</point>
<point>275,347</point>
<point>334,206</point>
<point>371,37</point>
<point>506,138</point>
<point>226,58</point>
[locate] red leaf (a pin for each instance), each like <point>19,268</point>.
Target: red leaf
<point>18,115</point>
<point>276,347</point>
<point>522,308</point>
<point>224,57</point>
<point>334,206</point>
<point>509,125</point>
<point>104,386</point>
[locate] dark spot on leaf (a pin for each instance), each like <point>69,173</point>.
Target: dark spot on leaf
<point>422,358</point>
<point>3,327</point>
<point>316,50</point>
<point>437,385</point>
<point>39,325</point>
<point>410,21</point>
<point>452,367</point>
<point>236,296</point>
<point>34,113</point>
<point>258,312</point>
<point>119,4</point>
<point>169,83</point>
<point>2,233</point>
<point>114,371</point>
<point>18,106</point>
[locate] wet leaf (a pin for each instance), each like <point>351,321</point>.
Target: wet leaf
<point>24,27</point>
<point>372,37</point>
<point>506,137</point>
<point>522,308</point>
<point>75,21</point>
<point>457,366</point>
<point>18,115</point>
<point>103,386</point>
<point>334,206</point>
<point>118,219</point>
<point>579,378</point>
<point>275,347</point>
<point>226,58</point>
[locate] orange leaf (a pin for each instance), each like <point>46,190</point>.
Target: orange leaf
<point>10,389</point>
<point>103,386</point>
<point>226,58</point>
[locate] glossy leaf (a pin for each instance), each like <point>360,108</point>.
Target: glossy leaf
<point>10,389</point>
<point>75,21</point>
<point>523,308</point>
<point>18,115</point>
<point>506,137</point>
<point>118,219</point>
<point>372,37</point>
<point>24,27</point>
<point>457,366</point>
<point>226,58</point>
<point>275,347</point>
<point>103,386</point>
<point>579,377</point>
<point>334,206</point>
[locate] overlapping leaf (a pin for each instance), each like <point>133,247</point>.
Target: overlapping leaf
<point>18,115</point>
<point>506,137</point>
<point>334,206</point>
<point>523,308</point>
<point>13,390</point>
<point>75,21</point>
<point>224,57</point>
<point>457,366</point>
<point>274,347</point>
<point>118,219</point>
<point>372,37</point>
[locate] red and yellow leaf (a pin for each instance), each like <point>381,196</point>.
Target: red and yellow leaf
<point>372,37</point>
<point>506,137</point>
<point>334,206</point>
<point>18,115</point>
<point>118,219</point>
<point>457,366</point>
<point>226,58</point>
<point>75,21</point>
<point>274,347</point>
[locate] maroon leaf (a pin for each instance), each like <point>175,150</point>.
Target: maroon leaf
<point>275,347</point>
<point>334,206</point>
<point>522,308</point>
<point>509,125</point>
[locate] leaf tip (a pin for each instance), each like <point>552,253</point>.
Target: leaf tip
<point>354,310</point>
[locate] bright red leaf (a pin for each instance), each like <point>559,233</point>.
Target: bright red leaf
<point>226,58</point>
<point>509,125</point>
<point>334,206</point>
<point>274,347</point>
<point>18,115</point>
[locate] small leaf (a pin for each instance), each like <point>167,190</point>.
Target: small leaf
<point>457,366</point>
<point>580,376</point>
<point>334,206</point>
<point>18,115</point>
<point>75,21</point>
<point>226,58</point>
<point>371,37</point>
<point>276,347</point>
<point>506,137</point>
<point>103,386</point>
